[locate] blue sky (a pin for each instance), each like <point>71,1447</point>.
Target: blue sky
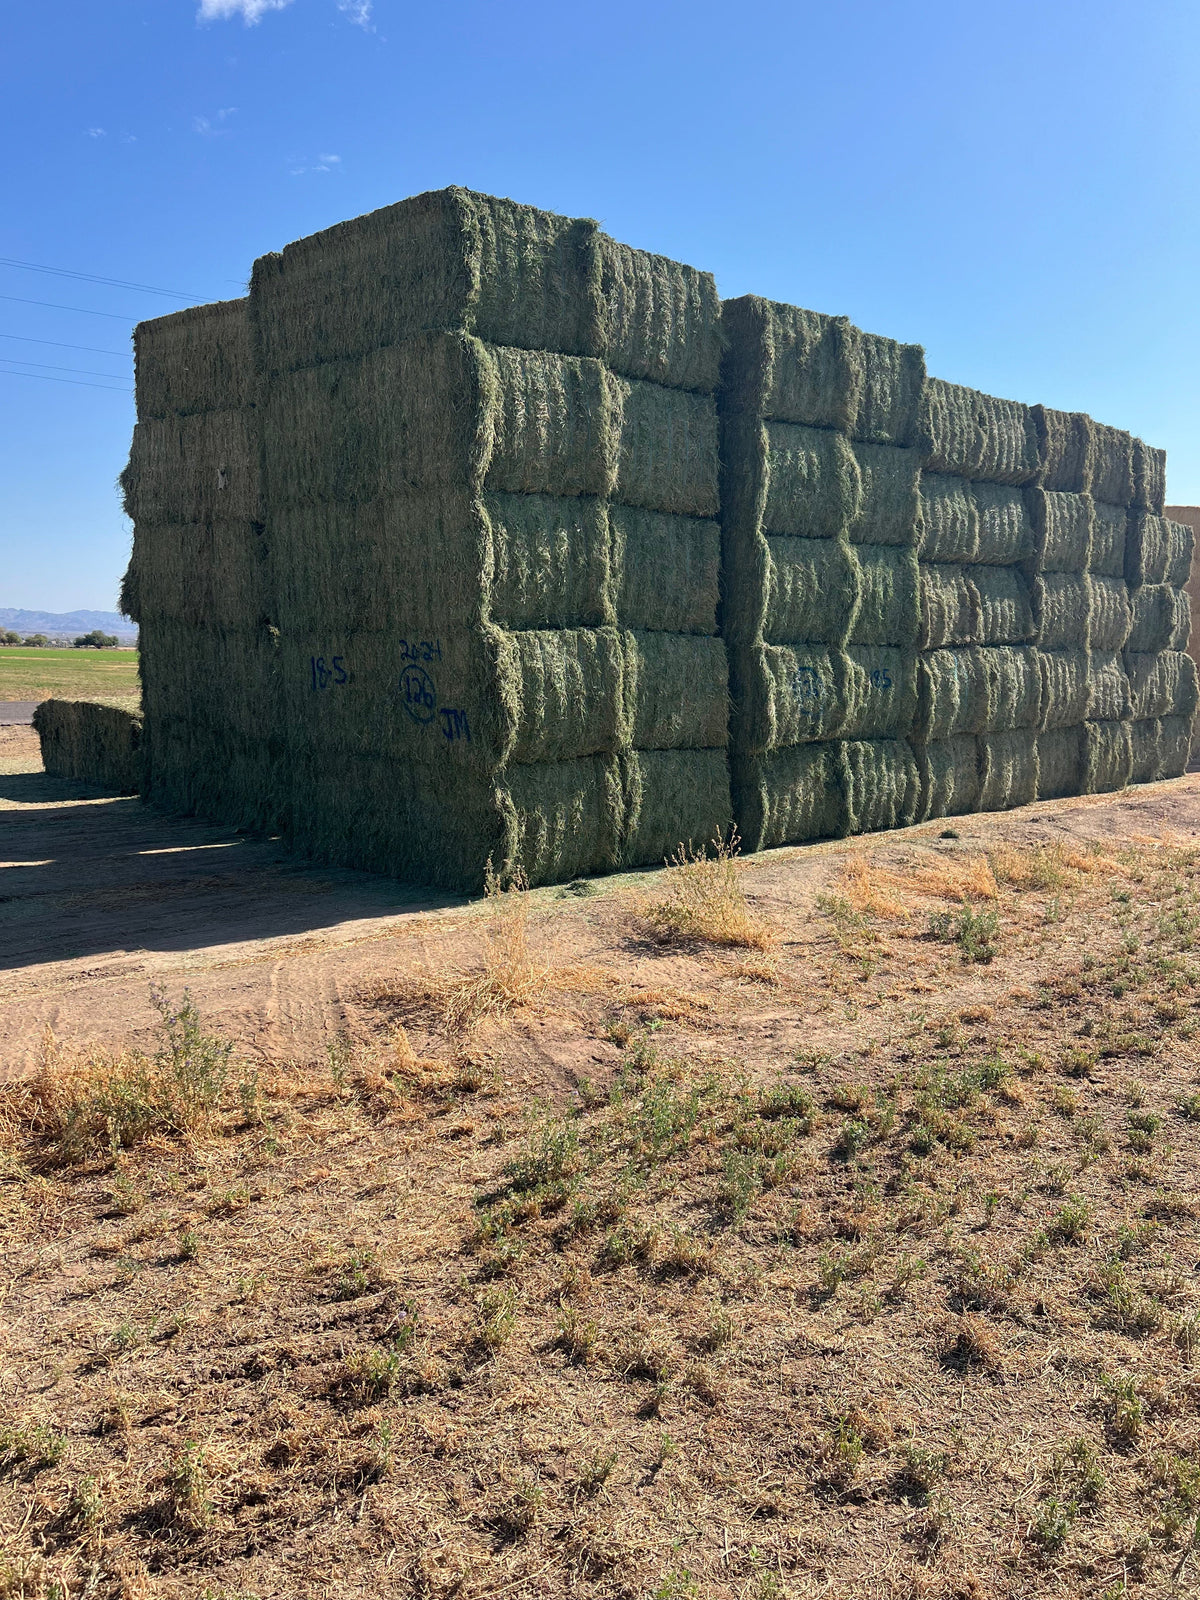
<point>1012,185</point>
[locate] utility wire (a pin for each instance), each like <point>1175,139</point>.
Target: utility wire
<point>54,306</point>
<point>46,367</point>
<point>91,349</point>
<point>79,382</point>
<point>90,277</point>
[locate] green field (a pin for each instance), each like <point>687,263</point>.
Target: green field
<point>68,673</point>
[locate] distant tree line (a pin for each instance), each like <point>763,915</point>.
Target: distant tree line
<point>86,641</point>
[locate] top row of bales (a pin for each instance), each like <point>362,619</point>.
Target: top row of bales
<point>491,476</point>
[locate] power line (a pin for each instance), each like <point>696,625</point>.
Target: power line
<point>46,366</point>
<point>54,306</point>
<point>78,382</point>
<point>91,349</point>
<point>90,277</point>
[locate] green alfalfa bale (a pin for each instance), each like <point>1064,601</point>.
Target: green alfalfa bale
<point>882,702</point>
<point>1149,477</point>
<point>789,796</point>
<point>1005,605</point>
<point>673,798</point>
<point>950,606</point>
<point>889,608</point>
<point>1013,680</point>
<point>814,488</point>
<point>1060,761</point>
<point>1162,683</point>
<point>237,779</point>
<point>1062,610</point>
<point>1144,736</point>
<point>681,693</point>
<point>194,468</point>
<point>1181,540</point>
<point>1066,687</point>
<point>1175,746</point>
<point>1112,466</point>
<point>449,259</point>
<point>952,694</point>
<point>889,509</point>
<point>92,741</point>
<point>1005,529</point>
<point>1162,618</point>
<point>565,819</point>
<point>1109,617</point>
<point>211,573</point>
<point>975,435</point>
<point>1008,769</point>
<point>668,458</point>
<point>1062,529</point>
<point>949,777</point>
<point>892,378</point>
<point>1109,697</point>
<point>784,695</point>
<point>813,591</point>
<point>574,694</point>
<point>194,360</point>
<point>789,365</point>
<point>1107,557</point>
<point>1148,543</point>
<point>660,320</point>
<point>882,784</point>
<point>1067,447</point>
<point>949,519</point>
<point>666,569</point>
<point>1108,757</point>
<point>208,675</point>
<point>553,562</point>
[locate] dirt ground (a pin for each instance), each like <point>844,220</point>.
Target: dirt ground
<point>540,1255</point>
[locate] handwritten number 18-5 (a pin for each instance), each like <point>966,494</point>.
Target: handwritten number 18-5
<point>324,674</point>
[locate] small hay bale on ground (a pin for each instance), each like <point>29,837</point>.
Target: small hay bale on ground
<point>92,741</point>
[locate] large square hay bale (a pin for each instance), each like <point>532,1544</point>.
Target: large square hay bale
<point>1109,698</point>
<point>1148,548</point>
<point>1061,761</point>
<point>1062,524</point>
<point>91,741</point>
<point>1066,687</point>
<point>194,360</point>
<point>889,591</point>
<point>1108,540</point>
<point>1149,477</point>
<point>1162,683</point>
<point>975,435</point>
<point>1062,610</point>
<point>949,519</point>
<point>952,695</point>
<point>1008,769</point>
<point>1161,618</point>
<point>1112,469</point>
<point>814,590</point>
<point>1067,446</point>
<point>1108,757</point>
<point>1005,605</point>
<point>1006,533</point>
<point>950,777</point>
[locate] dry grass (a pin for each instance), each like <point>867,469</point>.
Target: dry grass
<point>829,1297</point>
<point>703,899</point>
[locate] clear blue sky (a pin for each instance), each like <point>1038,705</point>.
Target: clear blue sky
<point>1012,185</point>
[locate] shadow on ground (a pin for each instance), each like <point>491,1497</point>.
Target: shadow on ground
<point>88,873</point>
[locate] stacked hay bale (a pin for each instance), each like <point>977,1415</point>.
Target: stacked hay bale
<point>490,456</point>
<point>1118,693</point>
<point>979,697</point>
<point>196,583</point>
<point>820,576</point>
<point>1191,516</point>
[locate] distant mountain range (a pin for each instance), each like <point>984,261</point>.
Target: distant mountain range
<point>72,622</point>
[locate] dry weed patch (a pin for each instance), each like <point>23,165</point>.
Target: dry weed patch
<point>765,1316</point>
<point>703,899</point>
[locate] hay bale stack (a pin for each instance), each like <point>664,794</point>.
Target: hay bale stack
<point>490,453</point>
<point>197,583</point>
<point>95,741</point>
<point>1162,678</point>
<point>821,589</point>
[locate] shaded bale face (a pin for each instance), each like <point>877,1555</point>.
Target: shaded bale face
<point>881,783</point>
<point>1112,471</point>
<point>1149,477</point>
<point>891,381</point>
<point>952,695</point>
<point>1148,548</point>
<point>1108,757</point>
<point>681,693</point>
<point>1008,770</point>
<point>1061,753</point>
<point>814,487</point>
<point>1108,541</point>
<point>1181,541</point>
<point>193,361</point>
<point>889,505</point>
<point>1161,684</point>
<point>1109,695</point>
<point>659,320</point>
<point>788,796</point>
<point>1062,610</point>
<point>949,519</point>
<point>1006,533</point>
<point>950,778</point>
<point>1005,606</point>
<point>673,798</point>
<point>814,591</point>
<point>91,742</point>
<point>666,570</point>
<point>1062,524</point>
<point>950,606</point>
<point>888,610</point>
<point>1110,617</point>
<point>1161,618</point>
<point>1013,681</point>
<point>197,468</point>
<point>789,365</point>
